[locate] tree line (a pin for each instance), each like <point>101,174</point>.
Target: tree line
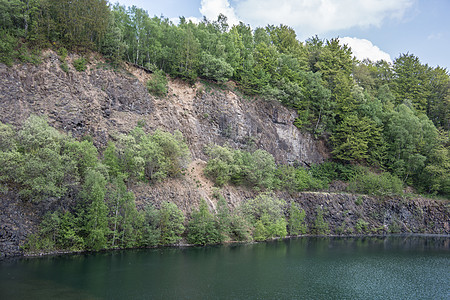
<point>394,117</point>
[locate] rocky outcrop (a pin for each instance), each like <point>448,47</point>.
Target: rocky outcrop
<point>101,102</point>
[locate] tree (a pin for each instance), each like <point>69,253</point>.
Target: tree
<point>358,139</point>
<point>170,223</point>
<point>96,216</point>
<point>202,228</point>
<point>435,177</point>
<point>320,225</point>
<point>215,68</point>
<point>296,223</point>
<point>410,139</point>
<point>74,23</point>
<point>123,214</point>
<point>409,82</point>
<point>266,214</point>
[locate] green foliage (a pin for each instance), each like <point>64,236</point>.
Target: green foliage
<point>410,138</point>
<point>151,157</point>
<point>124,218</point>
<point>361,226</point>
<point>96,215</point>
<point>329,171</point>
<point>240,167</point>
<point>150,232</point>
<point>157,85</point>
<point>358,139</point>
<point>57,231</point>
<point>202,227</point>
<point>224,219</point>
<point>64,67</point>
<point>266,214</point>
<point>221,165</point>
<point>36,161</point>
<point>410,81</point>
<point>215,68</point>
<point>7,44</point>
<point>376,184</point>
<point>80,64</point>
<point>320,225</point>
<point>296,179</point>
<point>435,177</point>
<point>62,52</point>
<point>296,223</point>
<point>170,223</point>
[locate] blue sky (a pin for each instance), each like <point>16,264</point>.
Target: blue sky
<point>378,29</point>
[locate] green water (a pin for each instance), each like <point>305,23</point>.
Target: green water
<point>413,267</point>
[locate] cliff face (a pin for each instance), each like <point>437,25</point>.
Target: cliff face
<point>101,102</point>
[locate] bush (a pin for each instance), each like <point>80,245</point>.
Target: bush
<point>266,213</point>
<point>383,184</point>
<point>361,226</point>
<point>150,157</point>
<point>215,68</point>
<point>329,171</point>
<point>64,67</point>
<point>157,85</point>
<point>80,64</point>
<point>255,169</point>
<point>202,228</point>
<point>62,52</point>
<point>296,223</point>
<point>170,223</point>
<point>221,165</point>
<point>320,225</point>
<point>7,45</point>
<point>36,161</point>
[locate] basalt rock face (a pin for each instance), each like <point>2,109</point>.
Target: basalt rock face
<point>101,102</point>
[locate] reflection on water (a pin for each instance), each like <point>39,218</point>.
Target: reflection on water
<point>395,267</point>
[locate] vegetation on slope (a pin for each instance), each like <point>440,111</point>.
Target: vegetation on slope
<point>392,117</point>
<point>387,124</point>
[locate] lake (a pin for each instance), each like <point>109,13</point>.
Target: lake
<point>393,267</point>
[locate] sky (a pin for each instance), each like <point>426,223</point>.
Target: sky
<point>374,29</point>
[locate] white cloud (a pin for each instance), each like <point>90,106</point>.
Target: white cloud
<point>310,17</point>
<point>362,48</point>
<point>212,8</point>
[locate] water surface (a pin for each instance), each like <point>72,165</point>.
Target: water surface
<point>395,267</point>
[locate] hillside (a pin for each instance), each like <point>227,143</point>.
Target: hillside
<point>101,103</point>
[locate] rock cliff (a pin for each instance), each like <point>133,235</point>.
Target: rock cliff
<point>102,102</point>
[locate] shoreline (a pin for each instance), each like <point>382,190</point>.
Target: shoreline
<point>185,245</point>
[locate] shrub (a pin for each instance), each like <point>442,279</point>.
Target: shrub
<point>64,67</point>
<point>202,228</point>
<point>329,171</point>
<point>215,68</point>
<point>320,226</point>
<point>157,85</point>
<point>170,223</point>
<point>7,44</point>
<point>221,165</point>
<point>62,52</point>
<point>296,223</point>
<point>376,184</point>
<point>361,226</point>
<point>255,169</point>
<point>80,64</point>
<point>266,214</point>
<point>150,157</point>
